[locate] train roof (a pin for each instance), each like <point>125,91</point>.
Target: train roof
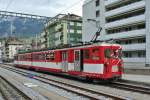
<point>71,47</point>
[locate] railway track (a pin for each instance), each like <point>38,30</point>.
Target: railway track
<point>88,93</point>
<point>131,87</point>
<point>10,92</point>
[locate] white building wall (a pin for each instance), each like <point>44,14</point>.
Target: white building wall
<point>0,52</point>
<point>147,32</point>
<point>13,50</point>
<point>89,28</point>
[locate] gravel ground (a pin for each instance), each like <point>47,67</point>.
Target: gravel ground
<point>49,92</point>
<point>128,94</point>
<point>1,97</point>
<point>98,87</point>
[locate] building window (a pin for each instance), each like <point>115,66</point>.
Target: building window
<point>97,13</point>
<point>79,31</point>
<point>97,3</point>
<point>79,24</point>
<point>127,54</point>
<point>71,31</point>
<point>72,23</point>
<point>142,54</point>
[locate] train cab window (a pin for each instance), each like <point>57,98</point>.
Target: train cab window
<point>119,53</point>
<point>114,53</point>
<point>86,54</point>
<point>107,53</point>
<point>52,55</point>
<point>95,54</point>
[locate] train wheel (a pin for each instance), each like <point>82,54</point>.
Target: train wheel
<point>89,79</point>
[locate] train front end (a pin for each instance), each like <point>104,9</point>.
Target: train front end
<point>112,62</point>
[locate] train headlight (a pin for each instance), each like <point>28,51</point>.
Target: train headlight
<point>114,68</point>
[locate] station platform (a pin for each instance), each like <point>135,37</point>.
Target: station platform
<point>137,78</point>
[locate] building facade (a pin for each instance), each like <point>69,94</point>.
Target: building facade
<point>62,29</point>
<point>10,48</point>
<point>127,21</point>
<point>1,49</point>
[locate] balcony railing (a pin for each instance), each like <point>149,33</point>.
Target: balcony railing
<point>132,47</point>
<point>108,2</point>
<point>135,33</point>
<point>132,60</point>
<point>131,20</point>
<point>124,9</point>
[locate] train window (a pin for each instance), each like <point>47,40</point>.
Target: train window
<point>41,57</point>
<point>77,55</point>
<point>86,54</point>
<point>95,54</point>
<point>52,55</point>
<point>107,53</point>
<point>35,57</point>
<point>47,56</point>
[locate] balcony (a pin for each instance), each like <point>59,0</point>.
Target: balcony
<point>132,60</point>
<point>58,27</point>
<point>109,2</point>
<point>43,40</point>
<point>43,34</point>
<point>127,21</point>
<point>128,34</point>
<point>124,9</point>
<point>134,47</point>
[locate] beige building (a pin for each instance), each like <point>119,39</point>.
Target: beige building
<point>10,48</point>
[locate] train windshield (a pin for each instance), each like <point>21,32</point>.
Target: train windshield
<point>120,53</point>
<point>117,53</point>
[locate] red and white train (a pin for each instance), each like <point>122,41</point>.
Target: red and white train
<point>101,61</point>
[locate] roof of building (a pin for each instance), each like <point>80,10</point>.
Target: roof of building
<point>86,1</point>
<point>15,43</point>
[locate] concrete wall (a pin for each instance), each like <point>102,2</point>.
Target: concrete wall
<point>89,27</point>
<point>147,32</point>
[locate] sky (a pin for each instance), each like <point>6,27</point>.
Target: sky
<point>48,8</point>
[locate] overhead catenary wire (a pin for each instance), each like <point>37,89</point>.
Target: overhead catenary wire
<point>71,6</point>
<point>9,3</point>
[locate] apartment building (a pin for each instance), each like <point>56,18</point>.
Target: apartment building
<point>1,49</point>
<point>11,45</point>
<point>63,29</point>
<point>127,21</point>
<point>43,39</point>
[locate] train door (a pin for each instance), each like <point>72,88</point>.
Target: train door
<point>78,60</point>
<point>116,58</point>
<point>107,59</point>
<point>64,61</point>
